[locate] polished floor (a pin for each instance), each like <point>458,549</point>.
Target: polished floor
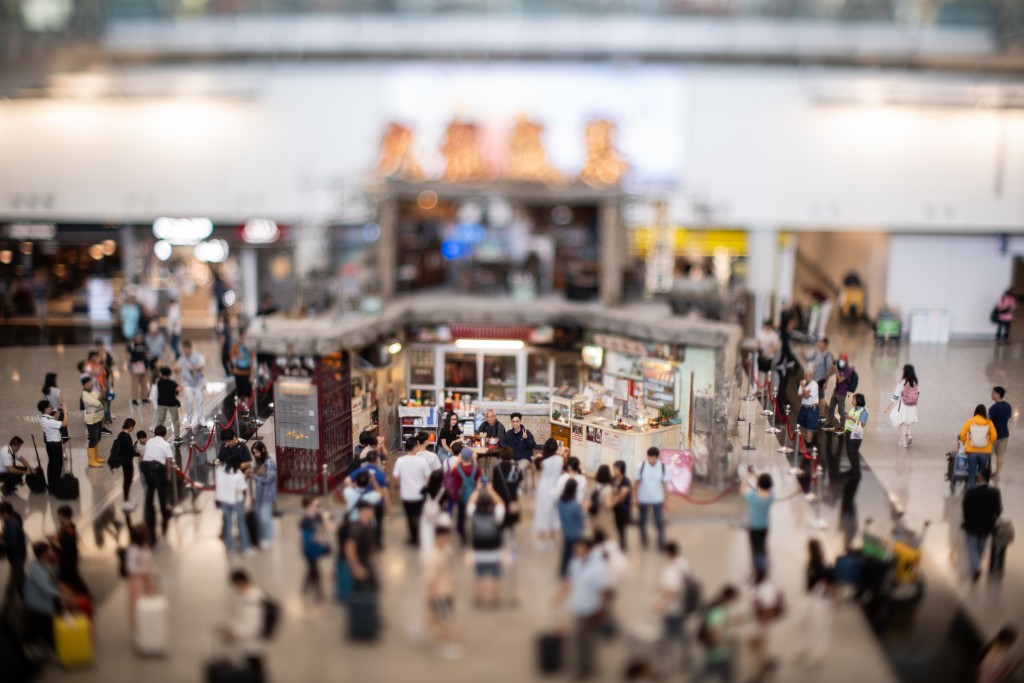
<point>499,645</point>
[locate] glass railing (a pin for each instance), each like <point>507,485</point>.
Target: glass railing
<point>913,12</point>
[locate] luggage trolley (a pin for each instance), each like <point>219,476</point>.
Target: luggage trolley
<point>892,568</point>
<point>956,467</point>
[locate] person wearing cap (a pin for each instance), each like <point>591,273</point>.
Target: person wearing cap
<point>844,373</point>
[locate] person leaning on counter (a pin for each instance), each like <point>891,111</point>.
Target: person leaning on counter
<point>519,439</point>
<point>490,428</point>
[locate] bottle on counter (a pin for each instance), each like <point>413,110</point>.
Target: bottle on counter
<point>449,403</point>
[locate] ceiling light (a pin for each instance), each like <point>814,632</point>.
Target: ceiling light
<point>163,250</point>
<point>490,344</point>
<point>183,230</point>
<point>395,348</point>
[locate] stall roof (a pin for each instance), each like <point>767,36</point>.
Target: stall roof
<point>327,334</point>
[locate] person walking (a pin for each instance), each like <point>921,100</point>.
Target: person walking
<point>52,440</point>
<point>138,567</point>
<point>466,473</point>
<point>978,437</point>
<point>174,324</point>
<point>904,401</point>
<point>671,603</point>
<point>65,542</point>
<point>807,419</point>
<point>505,478</point>
<point>157,469</point>
<point>265,475</point>
<point>314,547</point>
<point>759,499</point>
<point>377,481</point>
<point>411,473</point>
<point>124,450</point>
<point>241,368</point>
<point>545,517</point>
<point>1000,413</point>
<point>245,627</point>
<point>192,364</point>
<point>230,495</point>
<point>716,636</point>
<point>15,547</point>
<point>360,551</point>
<point>651,478</point>
<point>601,502</point>
<point>572,523</point>
<point>435,502</point>
<point>844,378</point>
<point>167,402</point>
<point>588,591</point>
<point>982,506</point>
<point>138,367</point>
<point>623,500</point>
<point>156,342</point>
<point>1003,317</point>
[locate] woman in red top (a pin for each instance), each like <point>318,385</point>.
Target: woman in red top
<point>1004,316</point>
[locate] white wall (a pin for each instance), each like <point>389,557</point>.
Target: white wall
<point>757,145</point>
<point>963,274</point>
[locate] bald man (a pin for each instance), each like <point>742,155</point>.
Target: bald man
<point>490,428</point>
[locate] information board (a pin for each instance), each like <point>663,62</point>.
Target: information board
<point>295,413</point>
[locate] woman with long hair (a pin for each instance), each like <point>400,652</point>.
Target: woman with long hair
<point>545,517</point>
<point>570,517</point>
<point>904,402</point>
<point>450,433</point>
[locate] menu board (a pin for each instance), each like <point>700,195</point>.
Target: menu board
<point>421,366</point>
<point>295,413</point>
<point>659,384</point>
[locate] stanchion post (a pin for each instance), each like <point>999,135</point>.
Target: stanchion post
<point>784,448</point>
<point>323,475</point>
<point>749,447</point>
<point>773,429</point>
<point>752,377</point>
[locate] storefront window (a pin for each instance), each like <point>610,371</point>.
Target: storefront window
<point>537,370</point>
<point>460,371</point>
<point>567,372</point>
<point>500,379</point>
<point>538,397</point>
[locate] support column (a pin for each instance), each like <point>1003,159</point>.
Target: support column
<point>786,272</point>
<point>611,245</point>
<point>129,252</point>
<point>250,281</point>
<point>762,244</point>
<point>387,248</point>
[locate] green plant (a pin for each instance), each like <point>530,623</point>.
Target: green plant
<point>666,413</point>
<point>556,414</point>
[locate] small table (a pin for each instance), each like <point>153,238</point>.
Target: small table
<point>485,453</point>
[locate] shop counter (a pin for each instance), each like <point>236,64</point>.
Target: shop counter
<point>598,443</point>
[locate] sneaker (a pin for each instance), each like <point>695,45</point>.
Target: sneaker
<point>128,506</point>
<point>105,431</point>
<point>178,440</point>
<point>135,402</point>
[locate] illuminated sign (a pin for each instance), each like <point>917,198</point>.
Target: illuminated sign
<point>261,231</point>
<point>31,231</point>
<point>183,231</point>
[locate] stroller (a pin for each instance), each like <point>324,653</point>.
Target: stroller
<point>956,467</point>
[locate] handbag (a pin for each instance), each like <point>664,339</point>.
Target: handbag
<point>896,416</point>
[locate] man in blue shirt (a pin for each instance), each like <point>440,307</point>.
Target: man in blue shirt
<point>1000,414</point>
<point>41,593</point>
<point>650,480</point>
<point>760,498</point>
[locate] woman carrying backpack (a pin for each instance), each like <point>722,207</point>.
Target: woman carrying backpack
<point>487,512</point>
<point>465,476</point>
<point>601,502</point>
<point>977,436</point>
<point>904,402</point>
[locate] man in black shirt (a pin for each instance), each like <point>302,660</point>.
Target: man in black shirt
<point>982,507</point>
<point>490,428</point>
<point>167,391</point>
<point>232,450</point>
<point>359,549</point>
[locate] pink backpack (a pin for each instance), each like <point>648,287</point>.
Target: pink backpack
<point>910,394</point>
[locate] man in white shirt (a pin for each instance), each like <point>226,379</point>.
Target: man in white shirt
<point>672,599</point>
<point>651,477</point>
<point>157,469</point>
<point>808,418</point>
<point>245,628</point>
<point>588,592</point>
<point>411,472</point>
<point>230,494</point>
<point>192,365</point>
<point>52,439</point>
<point>10,472</point>
<point>432,458</point>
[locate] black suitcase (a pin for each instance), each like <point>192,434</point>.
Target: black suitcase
<point>253,526</point>
<point>66,487</point>
<point>362,616</point>
<point>224,671</point>
<point>549,653</point>
<point>35,479</point>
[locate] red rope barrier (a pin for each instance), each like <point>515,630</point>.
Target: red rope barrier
<point>710,501</point>
<point>304,488</point>
<point>208,442</point>
<point>231,421</point>
<point>195,484</point>
<point>269,387</point>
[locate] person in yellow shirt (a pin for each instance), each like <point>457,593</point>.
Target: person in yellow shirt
<point>93,419</point>
<point>977,436</point>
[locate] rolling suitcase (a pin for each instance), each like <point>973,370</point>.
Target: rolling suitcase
<point>225,671</point>
<point>252,525</point>
<point>72,639</point>
<point>151,629</point>
<point>35,479</point>
<point>549,653</point>
<point>66,488</point>
<point>362,616</point>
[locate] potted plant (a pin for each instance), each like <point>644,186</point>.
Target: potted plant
<point>666,414</point>
<point>556,415</point>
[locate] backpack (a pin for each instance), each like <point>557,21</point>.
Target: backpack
<point>692,595</point>
<point>486,532</point>
<point>910,394</point>
<point>978,435</point>
<point>467,485</point>
<point>854,382</point>
<point>115,460</point>
<point>271,616</point>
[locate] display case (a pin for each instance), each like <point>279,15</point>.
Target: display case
<point>417,418</point>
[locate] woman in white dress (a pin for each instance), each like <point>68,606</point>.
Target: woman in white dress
<point>545,516</point>
<point>904,402</point>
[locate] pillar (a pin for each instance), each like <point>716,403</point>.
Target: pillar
<point>387,247</point>
<point>250,281</point>
<point>612,252</point>
<point>762,244</point>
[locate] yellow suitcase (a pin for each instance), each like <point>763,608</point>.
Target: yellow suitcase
<point>72,636</point>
